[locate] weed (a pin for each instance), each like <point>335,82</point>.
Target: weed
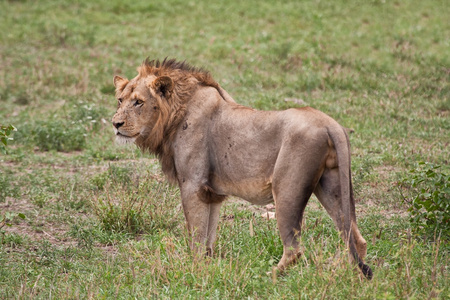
<point>100,180</point>
<point>120,176</point>
<point>12,240</point>
<point>5,132</point>
<point>84,236</point>
<point>428,197</point>
<point>128,216</point>
<point>123,211</point>
<point>39,196</point>
<point>8,217</point>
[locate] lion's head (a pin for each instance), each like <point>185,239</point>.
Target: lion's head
<point>152,105</point>
<point>140,101</point>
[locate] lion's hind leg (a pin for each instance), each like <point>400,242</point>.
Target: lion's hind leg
<point>328,192</point>
<point>289,221</point>
<point>291,190</point>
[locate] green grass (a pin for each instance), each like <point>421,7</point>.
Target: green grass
<point>100,220</point>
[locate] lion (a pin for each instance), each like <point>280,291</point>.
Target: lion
<point>213,147</point>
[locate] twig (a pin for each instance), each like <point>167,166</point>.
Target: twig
<point>51,235</point>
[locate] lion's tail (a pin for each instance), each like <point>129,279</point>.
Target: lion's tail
<point>342,144</point>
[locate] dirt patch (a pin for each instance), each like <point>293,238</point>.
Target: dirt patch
<point>34,227</point>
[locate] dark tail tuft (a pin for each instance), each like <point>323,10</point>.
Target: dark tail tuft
<point>367,271</point>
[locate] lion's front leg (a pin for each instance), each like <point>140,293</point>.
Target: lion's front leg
<point>214,215</point>
<point>202,219</point>
<point>196,213</point>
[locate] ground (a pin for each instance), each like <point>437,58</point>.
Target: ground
<point>100,221</point>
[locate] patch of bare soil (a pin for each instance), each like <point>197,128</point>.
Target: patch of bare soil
<point>35,227</point>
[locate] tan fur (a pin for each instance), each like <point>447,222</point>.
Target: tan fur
<point>213,147</point>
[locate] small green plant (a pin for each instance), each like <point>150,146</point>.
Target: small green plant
<point>139,206</point>
<point>429,199</point>
<point>8,217</point>
<point>5,132</point>
<point>129,214</point>
<point>84,236</point>
<point>39,196</point>
<point>12,240</point>
<point>120,175</point>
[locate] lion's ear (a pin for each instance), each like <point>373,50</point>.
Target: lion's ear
<point>120,83</point>
<point>163,85</point>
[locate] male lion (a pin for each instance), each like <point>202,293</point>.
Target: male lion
<point>213,147</point>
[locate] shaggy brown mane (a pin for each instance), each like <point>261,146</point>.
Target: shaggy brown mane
<point>158,68</point>
<point>177,70</point>
<point>172,110</point>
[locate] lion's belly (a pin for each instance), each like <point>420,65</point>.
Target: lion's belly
<point>255,191</point>
<point>261,199</point>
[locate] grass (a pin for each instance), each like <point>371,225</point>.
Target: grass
<point>100,221</point>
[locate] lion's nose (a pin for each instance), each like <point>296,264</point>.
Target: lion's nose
<point>118,124</point>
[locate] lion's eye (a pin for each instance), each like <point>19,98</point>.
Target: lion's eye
<point>138,102</point>
<point>120,100</point>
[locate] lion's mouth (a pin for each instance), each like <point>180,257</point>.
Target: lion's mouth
<point>126,136</point>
